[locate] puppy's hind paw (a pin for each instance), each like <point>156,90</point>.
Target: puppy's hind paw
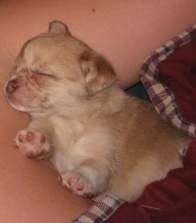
<point>77,184</point>
<point>32,144</point>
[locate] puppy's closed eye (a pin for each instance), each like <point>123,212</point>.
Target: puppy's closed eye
<point>39,78</point>
<point>44,74</point>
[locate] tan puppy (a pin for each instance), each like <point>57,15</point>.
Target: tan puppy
<point>99,139</point>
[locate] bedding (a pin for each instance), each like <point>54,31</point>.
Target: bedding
<point>138,90</point>
<point>169,77</point>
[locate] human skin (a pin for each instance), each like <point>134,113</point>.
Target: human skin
<point>126,32</point>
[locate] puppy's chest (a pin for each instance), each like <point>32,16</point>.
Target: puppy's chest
<point>67,133</point>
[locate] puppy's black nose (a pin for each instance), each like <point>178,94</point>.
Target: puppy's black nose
<point>12,86</point>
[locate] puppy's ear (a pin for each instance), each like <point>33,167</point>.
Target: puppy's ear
<point>97,71</point>
<point>58,27</point>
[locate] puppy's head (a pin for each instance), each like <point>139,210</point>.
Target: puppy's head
<point>55,68</point>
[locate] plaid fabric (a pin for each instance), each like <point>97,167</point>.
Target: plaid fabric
<point>161,97</point>
<point>164,103</point>
<point>100,211</point>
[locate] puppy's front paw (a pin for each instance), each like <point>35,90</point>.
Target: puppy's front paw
<point>77,183</point>
<point>32,144</point>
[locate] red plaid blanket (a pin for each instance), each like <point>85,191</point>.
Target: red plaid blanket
<point>169,76</point>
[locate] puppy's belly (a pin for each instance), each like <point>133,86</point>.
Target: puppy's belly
<point>66,160</point>
<point>63,162</point>
<point>63,139</point>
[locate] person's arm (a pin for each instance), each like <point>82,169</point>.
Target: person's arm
<point>124,31</point>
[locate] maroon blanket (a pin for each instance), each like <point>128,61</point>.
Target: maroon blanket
<point>172,200</point>
<point>179,74</point>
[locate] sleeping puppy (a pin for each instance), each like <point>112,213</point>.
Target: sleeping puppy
<point>99,139</point>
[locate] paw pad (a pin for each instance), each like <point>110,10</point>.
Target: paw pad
<point>32,144</point>
<point>77,183</point>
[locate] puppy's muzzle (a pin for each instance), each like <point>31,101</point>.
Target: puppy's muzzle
<point>12,86</point>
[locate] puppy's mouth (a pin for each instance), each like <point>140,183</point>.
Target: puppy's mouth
<point>16,96</point>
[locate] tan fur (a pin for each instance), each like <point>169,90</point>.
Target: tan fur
<point>118,143</point>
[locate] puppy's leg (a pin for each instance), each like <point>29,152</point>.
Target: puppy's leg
<point>91,168</point>
<point>33,142</point>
